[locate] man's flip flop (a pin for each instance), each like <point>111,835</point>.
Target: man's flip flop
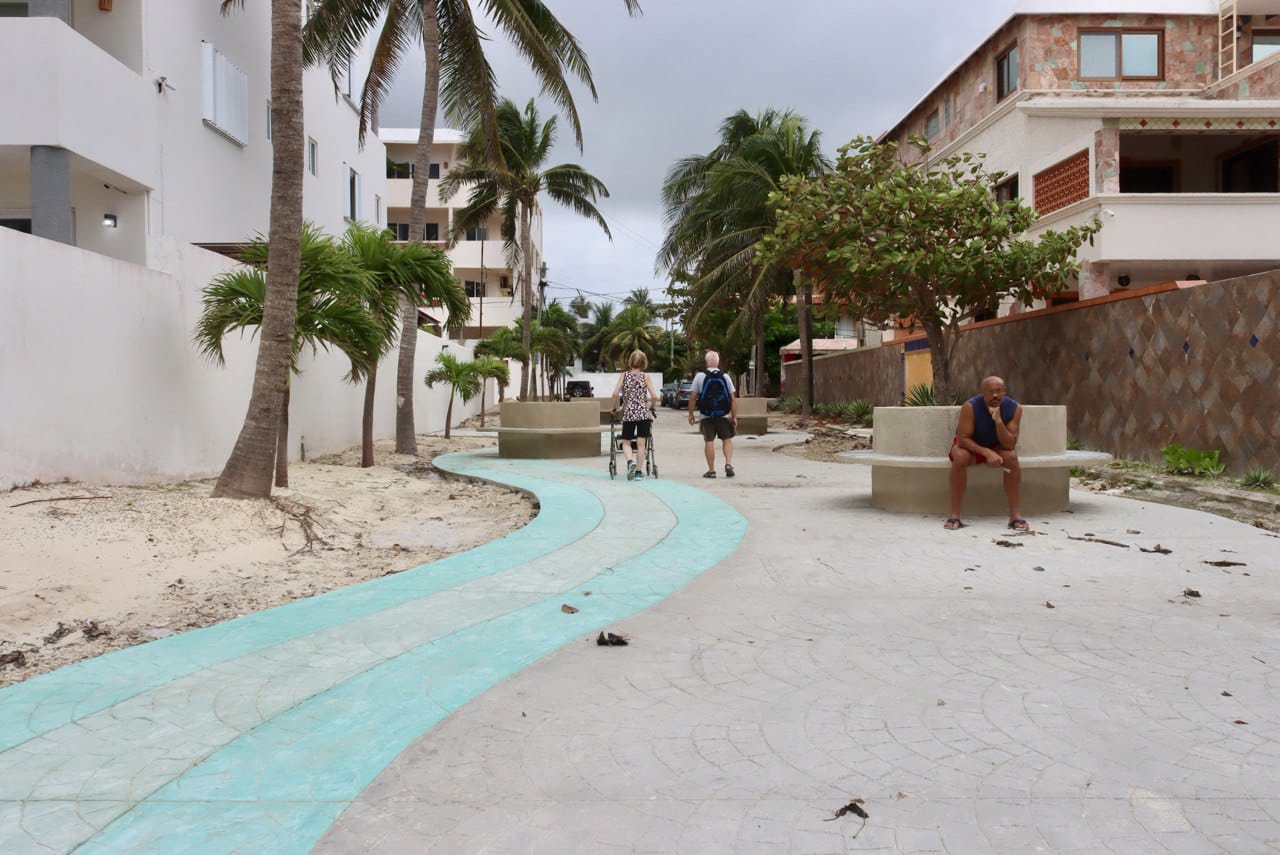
<point>728,472</point>
<point>709,475</point>
<point>1019,525</point>
<point>953,524</point>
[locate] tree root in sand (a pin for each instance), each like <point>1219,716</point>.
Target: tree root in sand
<point>303,515</point>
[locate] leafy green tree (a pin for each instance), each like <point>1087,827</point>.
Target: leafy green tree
<point>580,308</point>
<point>717,209</point>
<point>640,299</point>
<point>413,273</point>
<point>503,344</point>
<point>462,378</point>
<point>332,311</point>
<point>594,336</point>
<point>491,368</point>
<point>632,330</point>
<point>891,240</point>
<point>508,184</point>
<point>247,472</point>
<point>457,74</point>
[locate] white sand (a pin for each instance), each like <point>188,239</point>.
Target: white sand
<point>149,561</point>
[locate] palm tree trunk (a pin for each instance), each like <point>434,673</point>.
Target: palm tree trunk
<point>805,322</point>
<point>282,443</point>
<point>484,388</point>
<point>366,423</point>
<point>758,382</point>
<point>526,295</point>
<point>406,434</point>
<point>448,417</point>
<point>247,473</point>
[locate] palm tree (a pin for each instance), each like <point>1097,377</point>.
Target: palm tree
<point>247,473</point>
<point>459,75</point>
<point>640,299</point>
<point>504,344</point>
<point>510,187</point>
<point>462,379</point>
<point>580,307</point>
<point>632,330</point>
<point>332,310</point>
<point>414,273</point>
<point>595,335</point>
<point>717,208</point>
<point>487,368</point>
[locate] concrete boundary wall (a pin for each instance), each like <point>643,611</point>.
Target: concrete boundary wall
<point>1198,366</point>
<point>99,380</point>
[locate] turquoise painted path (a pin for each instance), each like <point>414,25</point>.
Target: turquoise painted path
<point>255,734</point>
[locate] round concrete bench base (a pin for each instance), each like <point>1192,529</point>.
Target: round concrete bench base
<point>542,445</point>
<point>928,491</point>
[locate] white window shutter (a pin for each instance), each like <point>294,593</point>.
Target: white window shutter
<point>225,99</point>
<point>359,195</point>
<point>208,61</point>
<point>346,190</point>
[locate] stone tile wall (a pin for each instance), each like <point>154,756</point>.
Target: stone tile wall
<point>1196,366</point>
<point>874,373</point>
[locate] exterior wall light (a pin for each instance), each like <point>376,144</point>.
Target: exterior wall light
<point>109,221</point>
<point>1124,281</point>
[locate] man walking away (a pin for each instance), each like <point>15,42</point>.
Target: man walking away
<point>713,396</point>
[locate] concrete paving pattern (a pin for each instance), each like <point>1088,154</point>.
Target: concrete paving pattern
<point>1054,694</point>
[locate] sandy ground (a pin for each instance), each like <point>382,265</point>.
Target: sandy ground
<point>827,438</point>
<point>81,577</point>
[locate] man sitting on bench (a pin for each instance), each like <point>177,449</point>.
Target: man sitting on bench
<point>987,436</point>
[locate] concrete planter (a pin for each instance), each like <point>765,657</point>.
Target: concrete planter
<point>550,431</point>
<point>753,416</point>
<point>910,470</point>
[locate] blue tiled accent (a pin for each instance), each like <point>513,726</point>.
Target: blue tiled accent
<point>1186,347</point>
<point>1253,341</point>
<point>1131,353</point>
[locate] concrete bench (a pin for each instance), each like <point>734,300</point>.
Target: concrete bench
<point>910,470</point>
<point>753,416</point>
<point>550,431</point>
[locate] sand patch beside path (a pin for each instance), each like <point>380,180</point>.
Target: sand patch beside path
<point>150,561</point>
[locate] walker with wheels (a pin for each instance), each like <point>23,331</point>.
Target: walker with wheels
<point>615,446</point>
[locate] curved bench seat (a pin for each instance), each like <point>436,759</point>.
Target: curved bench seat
<point>909,475</point>
<point>1066,459</point>
<point>550,430</point>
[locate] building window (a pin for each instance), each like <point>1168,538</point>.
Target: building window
<point>431,231</point>
<point>946,109</point>
<point>313,156</point>
<point>399,170</point>
<point>352,202</point>
<point>346,84</point>
<point>1007,190</point>
<point>1007,73</point>
<point>474,289</point>
<point>225,95</point>
<point>433,171</point>
<point>1121,55</point>
<point>1265,43</point>
<point>399,230</point>
<point>478,234</point>
<point>932,125</point>
<point>13,10</point>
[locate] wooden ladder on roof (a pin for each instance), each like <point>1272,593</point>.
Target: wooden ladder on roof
<point>1228,38</point>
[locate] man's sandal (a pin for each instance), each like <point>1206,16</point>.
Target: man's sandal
<point>953,524</point>
<point>1019,525</point>
<point>710,474</point>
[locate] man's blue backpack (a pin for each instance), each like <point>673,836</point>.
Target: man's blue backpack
<point>714,400</point>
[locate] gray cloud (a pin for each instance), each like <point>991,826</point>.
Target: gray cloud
<point>667,79</point>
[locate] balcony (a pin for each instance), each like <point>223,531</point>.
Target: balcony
<point>57,88</point>
<point>399,191</point>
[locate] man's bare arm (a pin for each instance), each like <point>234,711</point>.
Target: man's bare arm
<point>693,402</point>
<point>1008,433</point>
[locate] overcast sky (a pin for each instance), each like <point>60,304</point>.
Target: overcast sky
<point>667,79</point>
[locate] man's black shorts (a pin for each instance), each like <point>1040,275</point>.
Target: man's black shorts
<point>719,427</point>
<point>631,430</point>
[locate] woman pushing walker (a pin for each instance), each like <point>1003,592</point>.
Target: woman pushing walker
<point>636,400</point>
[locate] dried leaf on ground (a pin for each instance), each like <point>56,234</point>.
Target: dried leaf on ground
<point>1049,605</point>
<point>91,629</point>
<point>13,657</point>
<point>854,807</point>
<point>1007,544</point>
<point>608,639</point>
<point>1088,538</point>
<point>1226,564</point>
<point>568,609</point>
<point>1190,592</point>
<point>1157,550</point>
<point>61,632</point>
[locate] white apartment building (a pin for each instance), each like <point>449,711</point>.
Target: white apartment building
<point>130,121</point>
<point>1160,117</point>
<point>479,258</point>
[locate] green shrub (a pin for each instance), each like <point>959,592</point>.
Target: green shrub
<point>1073,444</point>
<point>788,404</point>
<point>1260,478</point>
<point>921,396</point>
<point>1180,460</point>
<point>861,412</point>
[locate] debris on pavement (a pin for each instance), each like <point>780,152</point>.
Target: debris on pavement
<point>568,609</point>
<point>1049,605</point>
<point>608,639</point>
<point>1157,550</point>
<point>91,629</point>
<point>61,632</point>
<point>1227,695</point>
<point>1007,544</point>
<point>13,657</point>
<point>1226,563</point>
<point>1190,592</point>
<point>1089,538</point>
<point>1038,569</point>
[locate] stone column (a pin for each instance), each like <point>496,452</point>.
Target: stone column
<point>50,9</point>
<point>1094,280</point>
<point>51,194</point>
<point>1106,158</point>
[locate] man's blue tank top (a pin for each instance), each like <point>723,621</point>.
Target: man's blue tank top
<point>984,427</point>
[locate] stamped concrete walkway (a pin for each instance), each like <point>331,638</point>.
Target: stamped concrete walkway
<point>838,653</point>
<point>847,653</point>
<point>253,735</point>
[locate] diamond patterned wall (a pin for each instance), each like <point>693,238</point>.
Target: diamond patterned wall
<point>1197,366</point>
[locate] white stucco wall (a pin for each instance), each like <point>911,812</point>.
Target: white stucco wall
<point>100,381</point>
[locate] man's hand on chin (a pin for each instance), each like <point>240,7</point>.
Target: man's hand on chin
<point>995,412</point>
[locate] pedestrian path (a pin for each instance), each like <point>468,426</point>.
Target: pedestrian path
<point>255,734</point>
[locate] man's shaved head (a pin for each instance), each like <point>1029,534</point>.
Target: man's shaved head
<point>993,391</point>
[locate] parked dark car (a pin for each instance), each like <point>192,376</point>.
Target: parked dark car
<point>668,394</point>
<point>578,389</point>
<point>683,393</point>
